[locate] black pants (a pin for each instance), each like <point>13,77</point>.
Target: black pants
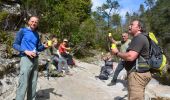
<point>118,69</point>
<point>68,57</point>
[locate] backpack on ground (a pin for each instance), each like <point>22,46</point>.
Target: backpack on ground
<point>157,60</point>
<point>106,70</point>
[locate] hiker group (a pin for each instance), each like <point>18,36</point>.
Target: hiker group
<point>134,56</point>
<point>60,59</point>
<point>141,56</point>
<point>28,43</point>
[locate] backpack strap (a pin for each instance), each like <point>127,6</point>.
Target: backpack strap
<point>142,64</point>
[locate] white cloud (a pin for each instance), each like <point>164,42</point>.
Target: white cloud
<point>123,12</point>
<point>97,3</point>
<point>125,6</point>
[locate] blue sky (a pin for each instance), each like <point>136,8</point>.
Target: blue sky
<point>125,5</point>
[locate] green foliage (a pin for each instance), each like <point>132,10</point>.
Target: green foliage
<point>3,15</point>
<point>116,20</point>
<point>160,15</point>
<point>88,30</point>
<point>7,39</point>
<point>156,17</point>
<point>61,21</point>
<point>106,23</point>
<point>156,20</point>
<point>74,20</point>
<point>117,36</point>
<point>105,12</point>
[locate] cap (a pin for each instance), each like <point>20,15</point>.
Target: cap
<point>65,40</point>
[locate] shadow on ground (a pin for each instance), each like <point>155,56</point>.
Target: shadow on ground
<point>120,98</point>
<point>45,94</point>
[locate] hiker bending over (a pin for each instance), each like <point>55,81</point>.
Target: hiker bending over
<point>107,69</point>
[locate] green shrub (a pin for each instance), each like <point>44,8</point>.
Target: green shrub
<point>3,15</point>
<point>7,39</point>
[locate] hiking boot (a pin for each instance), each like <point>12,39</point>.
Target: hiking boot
<point>112,83</point>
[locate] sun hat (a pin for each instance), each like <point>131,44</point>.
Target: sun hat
<point>65,40</point>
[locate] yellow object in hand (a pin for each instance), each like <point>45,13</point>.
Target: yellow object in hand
<point>110,34</point>
<point>69,48</point>
<point>49,43</point>
<point>113,46</point>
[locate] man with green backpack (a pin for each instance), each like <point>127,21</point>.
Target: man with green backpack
<point>143,56</point>
<point>139,46</point>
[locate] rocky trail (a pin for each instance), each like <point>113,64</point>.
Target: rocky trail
<point>83,85</point>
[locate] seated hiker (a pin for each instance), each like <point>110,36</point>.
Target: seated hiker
<point>107,69</point>
<point>63,49</point>
<point>53,50</point>
<point>57,64</point>
<point>64,52</point>
<point>64,56</point>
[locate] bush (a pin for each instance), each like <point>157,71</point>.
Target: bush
<point>3,15</point>
<point>7,39</point>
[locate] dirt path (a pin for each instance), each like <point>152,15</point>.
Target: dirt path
<point>81,86</point>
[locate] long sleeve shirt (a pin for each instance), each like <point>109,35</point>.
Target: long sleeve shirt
<point>26,39</point>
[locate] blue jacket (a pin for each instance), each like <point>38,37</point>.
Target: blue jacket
<point>27,39</point>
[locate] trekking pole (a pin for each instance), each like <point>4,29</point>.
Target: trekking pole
<point>47,68</point>
<point>47,38</point>
<point>77,48</point>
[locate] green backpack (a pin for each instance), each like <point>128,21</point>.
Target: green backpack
<point>157,60</point>
<point>53,71</point>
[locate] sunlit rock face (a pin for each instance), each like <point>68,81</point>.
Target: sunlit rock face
<point>9,71</point>
<point>12,9</point>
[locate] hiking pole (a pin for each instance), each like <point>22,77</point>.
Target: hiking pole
<point>47,38</point>
<point>47,68</point>
<point>77,48</point>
